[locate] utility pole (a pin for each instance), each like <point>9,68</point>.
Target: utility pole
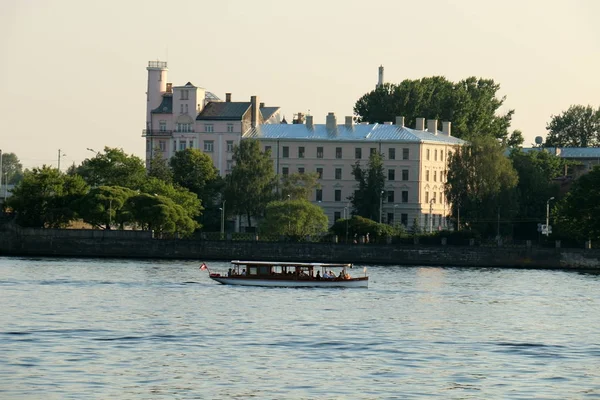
<point>548,216</point>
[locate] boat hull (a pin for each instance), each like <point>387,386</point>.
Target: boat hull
<point>346,283</point>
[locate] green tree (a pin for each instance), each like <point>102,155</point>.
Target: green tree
<point>12,169</point>
<point>102,206</point>
<point>294,218</point>
<point>250,186</point>
<point>159,214</point>
<point>579,126</point>
<point>299,186</point>
<point>45,198</point>
<point>359,226</point>
<point>471,105</point>
<point>190,202</point>
<point>480,183</point>
<point>159,168</point>
<point>366,200</point>
<point>113,168</point>
<point>578,215</point>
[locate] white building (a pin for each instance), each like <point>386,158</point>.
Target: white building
<point>415,162</point>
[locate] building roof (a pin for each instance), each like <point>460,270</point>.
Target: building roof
<point>267,112</point>
<point>226,111</point>
<point>568,152</point>
<point>367,133</point>
<point>166,105</point>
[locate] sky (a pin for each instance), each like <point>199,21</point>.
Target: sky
<point>73,72</point>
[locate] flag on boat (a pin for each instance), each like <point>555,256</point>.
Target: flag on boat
<point>203,267</point>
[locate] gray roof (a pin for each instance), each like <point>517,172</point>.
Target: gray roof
<point>227,111</point>
<point>165,107</point>
<point>267,112</point>
<point>568,152</point>
<point>368,133</point>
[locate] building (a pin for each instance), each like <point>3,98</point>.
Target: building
<point>415,162</point>
<point>180,117</point>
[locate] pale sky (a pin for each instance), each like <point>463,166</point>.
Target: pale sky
<point>73,72</point>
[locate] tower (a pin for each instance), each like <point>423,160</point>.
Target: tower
<point>157,85</point>
<point>380,80</point>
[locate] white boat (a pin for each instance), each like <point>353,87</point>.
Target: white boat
<point>290,274</point>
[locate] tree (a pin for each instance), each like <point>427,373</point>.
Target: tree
<point>102,206</point>
<point>515,140</point>
<point>45,198</point>
<point>479,182</point>
<point>159,168</point>
<point>250,186</point>
<point>579,213</point>
<point>12,169</point>
<point>366,201</point>
<point>189,201</point>
<point>471,105</point>
<point>579,126</point>
<point>294,218</point>
<point>359,226</point>
<point>113,168</point>
<point>159,214</point>
<point>299,186</point>
<point>195,171</point>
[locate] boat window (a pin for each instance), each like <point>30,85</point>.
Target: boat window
<point>252,271</point>
<point>264,270</point>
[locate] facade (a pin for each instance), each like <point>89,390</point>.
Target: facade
<point>415,162</point>
<point>180,117</point>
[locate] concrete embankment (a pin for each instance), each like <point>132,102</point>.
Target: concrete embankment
<point>141,244</point>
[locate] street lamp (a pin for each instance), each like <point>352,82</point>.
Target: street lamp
<point>223,220</point>
<point>548,216</point>
<point>381,206</point>
<point>346,218</point>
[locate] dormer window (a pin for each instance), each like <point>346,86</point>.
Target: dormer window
<point>184,94</point>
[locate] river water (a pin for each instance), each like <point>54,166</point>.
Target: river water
<point>123,329</point>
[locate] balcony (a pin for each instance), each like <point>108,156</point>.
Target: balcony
<point>156,133</point>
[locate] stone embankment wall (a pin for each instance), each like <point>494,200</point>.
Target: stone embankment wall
<point>141,244</point>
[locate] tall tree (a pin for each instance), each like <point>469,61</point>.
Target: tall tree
<point>102,206</point>
<point>471,105</point>
<point>159,168</point>
<point>12,169</point>
<point>250,186</point>
<point>294,218</point>
<point>366,200</point>
<point>480,181</point>
<point>113,168</point>
<point>45,198</point>
<point>299,186</point>
<point>160,214</point>
<point>579,126</point>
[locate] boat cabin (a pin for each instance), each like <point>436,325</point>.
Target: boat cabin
<point>288,270</point>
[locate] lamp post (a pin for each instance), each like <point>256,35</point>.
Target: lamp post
<point>431,215</point>
<point>548,216</point>
<point>381,206</point>
<point>346,218</point>
<point>59,156</point>
<point>223,220</point>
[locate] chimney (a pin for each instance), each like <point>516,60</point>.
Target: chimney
<point>309,122</point>
<point>400,122</point>
<point>432,126</point>
<point>331,122</point>
<point>254,109</point>
<point>169,87</point>
<point>262,105</point>
<point>420,124</point>
<point>387,123</point>
<point>228,97</point>
<point>349,122</point>
<point>447,128</point>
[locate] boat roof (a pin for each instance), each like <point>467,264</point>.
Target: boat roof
<point>290,264</point>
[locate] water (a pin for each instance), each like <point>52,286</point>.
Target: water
<point>96,329</point>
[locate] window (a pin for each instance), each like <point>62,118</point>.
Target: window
<point>405,196</point>
<point>391,153</point>
<point>373,151</point>
<point>338,173</point>
<point>174,145</point>
<point>441,197</point>
<point>390,196</point>
<point>320,172</point>
<point>428,151</point>
<point>426,197</point>
<point>391,174</point>
<point>300,170</point>
<point>185,106</point>
<point>336,215</point>
<point>390,218</point>
<point>286,152</point>
<point>285,171</point>
<point>405,154</point>
<point>404,219</point>
<point>191,144</point>
<point>404,174</point>
<point>358,153</point>
<point>229,144</point>
<point>148,145</point>
<point>230,128</point>
<point>338,152</point>
<point>435,176</point>
<point>209,146</point>
<point>184,127</point>
<point>184,95</point>
<point>427,175</point>
<point>319,195</point>
<point>162,126</point>
<point>229,165</point>
<point>441,155</point>
<point>162,145</point>
<point>181,109</point>
<point>319,152</point>
<point>267,149</point>
<point>182,145</point>
<point>434,197</point>
<point>435,154</point>
<point>301,152</point>
<point>338,195</point>
<point>208,128</point>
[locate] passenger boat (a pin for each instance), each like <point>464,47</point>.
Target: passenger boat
<point>289,274</point>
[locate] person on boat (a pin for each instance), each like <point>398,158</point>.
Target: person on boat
<point>244,272</point>
<point>229,272</point>
<point>318,277</point>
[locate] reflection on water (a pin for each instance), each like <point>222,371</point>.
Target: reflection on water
<point>92,329</point>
